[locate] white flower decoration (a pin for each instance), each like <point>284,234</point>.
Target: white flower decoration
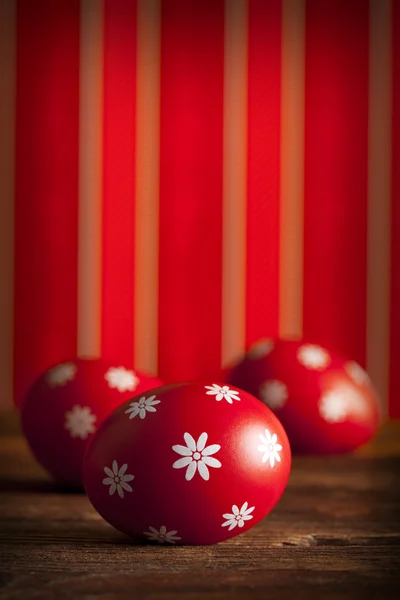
<point>223,392</point>
<point>80,421</point>
<point>260,349</point>
<point>357,373</point>
<point>143,406</point>
<point>61,374</point>
<point>163,536</point>
<point>238,516</point>
<point>270,447</point>
<point>274,393</point>
<point>121,379</point>
<point>196,456</point>
<point>117,480</point>
<point>313,357</point>
<point>333,407</point>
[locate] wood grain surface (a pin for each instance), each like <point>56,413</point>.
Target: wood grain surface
<point>334,534</point>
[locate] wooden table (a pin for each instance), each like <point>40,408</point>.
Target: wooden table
<point>334,534</point>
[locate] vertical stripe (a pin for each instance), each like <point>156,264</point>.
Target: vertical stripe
<point>118,179</point>
<point>394,406</point>
<point>7,123</point>
<point>46,192</point>
<point>191,188</point>
<point>292,169</point>
<point>234,181</point>
<point>336,175</point>
<point>263,167</point>
<point>90,178</point>
<point>379,195</point>
<point>147,185</point>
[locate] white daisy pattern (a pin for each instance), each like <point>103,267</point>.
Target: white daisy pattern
<point>274,393</point>
<point>313,357</point>
<point>61,374</point>
<point>260,348</point>
<point>222,393</point>
<point>270,448</point>
<point>117,479</point>
<point>142,407</point>
<point>122,379</point>
<point>79,421</point>
<point>238,516</point>
<point>334,407</point>
<point>162,536</point>
<point>196,456</point>
<point>357,373</point>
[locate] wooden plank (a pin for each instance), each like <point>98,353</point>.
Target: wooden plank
<point>336,528</point>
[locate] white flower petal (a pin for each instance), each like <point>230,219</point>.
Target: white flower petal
<point>182,450</point>
<point>240,522</point>
<point>122,470</point>
<point>219,397</point>
<point>150,409</point>
<point>109,472</point>
<point>120,491</point>
<point>128,477</point>
<point>191,470</point>
<point>201,442</point>
<point>112,489</point>
<point>126,486</point>
<point>247,511</point>
<point>235,510</point>
<point>233,525</point>
<point>247,517</point>
<point>115,467</point>
<point>182,462</point>
<point>203,470</point>
<point>211,462</point>
<point>153,530</point>
<point>191,444</point>
<point>108,481</point>
<point>228,516</point>
<point>134,413</point>
<point>163,530</point>
<point>211,449</point>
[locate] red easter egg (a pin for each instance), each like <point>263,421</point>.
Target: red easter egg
<point>67,403</point>
<point>188,463</point>
<point>327,404</point>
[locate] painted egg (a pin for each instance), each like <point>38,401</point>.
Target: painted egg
<point>188,463</point>
<point>65,406</point>
<point>327,404</point>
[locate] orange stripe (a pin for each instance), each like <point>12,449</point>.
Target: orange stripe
<point>379,195</point>
<point>147,185</point>
<point>7,122</point>
<point>234,181</point>
<point>292,169</point>
<point>90,178</point>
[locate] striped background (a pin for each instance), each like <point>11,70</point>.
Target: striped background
<point>179,178</point>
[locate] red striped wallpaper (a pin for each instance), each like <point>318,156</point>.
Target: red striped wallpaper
<point>188,177</point>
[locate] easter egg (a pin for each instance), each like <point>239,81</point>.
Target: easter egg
<point>326,403</point>
<point>188,463</point>
<point>65,406</point>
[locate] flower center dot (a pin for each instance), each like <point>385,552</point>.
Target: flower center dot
<point>237,517</point>
<point>270,448</point>
<point>116,479</point>
<point>196,455</point>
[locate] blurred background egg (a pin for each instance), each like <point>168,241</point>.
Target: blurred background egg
<point>326,403</point>
<point>65,406</point>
